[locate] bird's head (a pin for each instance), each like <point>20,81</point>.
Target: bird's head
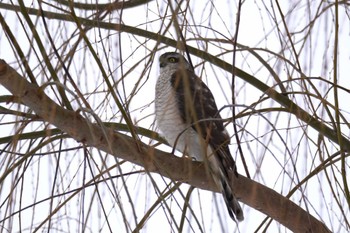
<point>173,61</point>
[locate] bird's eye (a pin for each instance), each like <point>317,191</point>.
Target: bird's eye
<point>172,59</point>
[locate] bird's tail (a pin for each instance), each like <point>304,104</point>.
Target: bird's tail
<point>233,207</point>
<point>222,181</point>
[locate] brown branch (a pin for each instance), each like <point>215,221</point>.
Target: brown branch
<point>116,5</point>
<point>288,104</point>
<point>248,191</point>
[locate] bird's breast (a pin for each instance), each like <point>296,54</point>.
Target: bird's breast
<point>179,134</point>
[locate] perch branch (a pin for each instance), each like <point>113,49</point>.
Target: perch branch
<point>122,146</point>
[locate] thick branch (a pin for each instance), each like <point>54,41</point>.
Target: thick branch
<point>248,191</point>
<point>289,105</point>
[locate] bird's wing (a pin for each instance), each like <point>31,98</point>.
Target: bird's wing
<point>197,107</point>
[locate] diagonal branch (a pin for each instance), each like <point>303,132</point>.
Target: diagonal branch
<point>283,100</point>
<point>122,146</point>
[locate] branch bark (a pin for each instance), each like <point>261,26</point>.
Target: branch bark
<point>122,146</point>
<point>283,100</point>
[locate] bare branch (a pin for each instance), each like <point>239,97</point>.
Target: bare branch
<point>248,191</point>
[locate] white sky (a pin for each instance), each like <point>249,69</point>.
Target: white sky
<point>268,159</point>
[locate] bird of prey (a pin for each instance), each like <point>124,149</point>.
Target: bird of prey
<point>187,116</point>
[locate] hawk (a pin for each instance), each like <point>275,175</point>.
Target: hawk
<point>187,116</point>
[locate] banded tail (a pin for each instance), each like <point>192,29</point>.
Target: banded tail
<point>233,207</point>
<point>221,178</point>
